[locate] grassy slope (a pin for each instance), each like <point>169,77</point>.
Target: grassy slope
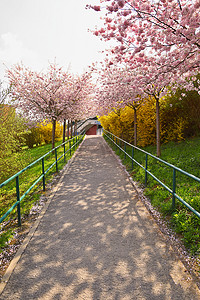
<point>186,156</point>
<point>26,179</point>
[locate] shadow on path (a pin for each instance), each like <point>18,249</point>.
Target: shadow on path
<point>97,241</point>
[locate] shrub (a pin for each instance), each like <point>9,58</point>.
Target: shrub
<point>45,130</point>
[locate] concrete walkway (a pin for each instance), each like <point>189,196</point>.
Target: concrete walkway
<point>96,240</point>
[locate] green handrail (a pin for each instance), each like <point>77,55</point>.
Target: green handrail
<point>111,137</point>
<point>73,142</point>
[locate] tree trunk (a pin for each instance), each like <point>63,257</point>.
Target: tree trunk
<point>64,129</point>
<point>158,127</point>
<point>74,132</point>
<point>68,129</point>
<point>53,132</point>
<point>71,129</point>
<point>135,127</point>
<point>75,128</point>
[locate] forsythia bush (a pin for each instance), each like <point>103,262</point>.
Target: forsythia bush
<point>42,133</point>
<point>146,123</point>
<point>33,137</point>
<point>12,139</point>
<point>121,123</point>
<point>45,129</point>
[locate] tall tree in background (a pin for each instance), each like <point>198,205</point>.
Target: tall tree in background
<point>47,95</point>
<point>128,85</point>
<point>158,43</point>
<point>167,29</point>
<point>116,91</point>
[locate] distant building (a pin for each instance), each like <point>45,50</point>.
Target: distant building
<point>91,126</point>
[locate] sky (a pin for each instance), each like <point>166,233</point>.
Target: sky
<point>38,32</point>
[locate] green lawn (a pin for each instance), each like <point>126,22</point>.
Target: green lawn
<point>186,156</point>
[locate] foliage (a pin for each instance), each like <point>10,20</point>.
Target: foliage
<point>12,129</point>
<point>42,134</point>
<point>177,120</point>
<point>33,137</point>
<point>54,95</point>
<point>45,130</point>
<point>157,47</point>
<point>147,123</point>
<point>14,134</point>
<point>119,122</point>
<point>185,106</point>
<point>166,31</point>
<point>5,237</point>
<point>12,138</point>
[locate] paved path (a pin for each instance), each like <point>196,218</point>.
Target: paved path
<point>97,241</point>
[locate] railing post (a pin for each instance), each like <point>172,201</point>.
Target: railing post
<point>70,151</point>
<point>132,156</point>
<point>124,150</point>
<point>43,172</point>
<point>174,188</point>
<point>18,200</point>
<point>146,165</point>
<point>64,154</point>
<point>56,160</point>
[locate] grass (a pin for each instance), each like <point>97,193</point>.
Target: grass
<point>26,179</point>
<point>186,156</point>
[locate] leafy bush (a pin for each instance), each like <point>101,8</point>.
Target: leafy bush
<point>12,138</point>
<point>42,134</point>
<point>33,137</point>
<point>179,118</point>
<point>45,131</point>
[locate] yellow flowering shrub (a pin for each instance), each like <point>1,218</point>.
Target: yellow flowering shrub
<point>174,131</point>
<point>121,123</point>
<point>146,123</point>
<point>45,129</point>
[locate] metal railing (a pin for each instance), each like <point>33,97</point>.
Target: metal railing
<point>118,141</point>
<point>72,143</point>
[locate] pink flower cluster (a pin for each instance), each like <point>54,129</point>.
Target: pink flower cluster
<point>54,95</point>
<point>159,41</point>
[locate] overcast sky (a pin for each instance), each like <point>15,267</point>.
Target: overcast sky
<point>38,31</point>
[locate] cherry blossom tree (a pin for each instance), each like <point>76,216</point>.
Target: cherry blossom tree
<point>115,92</point>
<point>125,85</point>
<point>158,43</point>
<point>169,29</point>
<point>79,107</point>
<point>48,95</point>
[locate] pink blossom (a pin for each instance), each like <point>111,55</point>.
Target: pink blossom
<point>96,8</point>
